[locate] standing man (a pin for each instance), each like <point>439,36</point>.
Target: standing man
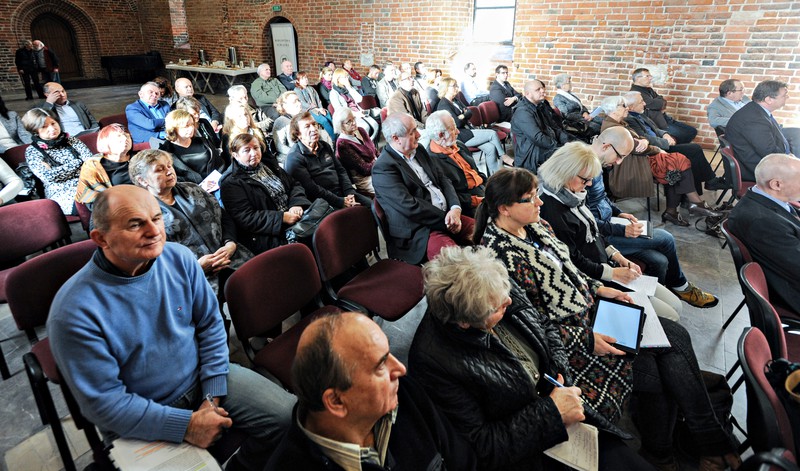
<point>753,131</point>
<point>388,84</point>
<point>146,115</point>
<point>769,226</point>
<point>184,88</point>
<point>287,75</point>
<point>730,100</point>
<point>25,61</point>
<point>171,380</point>
<point>656,105</point>
<point>355,411</point>
<point>472,91</point>
<point>502,93</point>
<point>537,133</point>
<point>46,62</point>
<point>265,90</point>
<point>75,117</point>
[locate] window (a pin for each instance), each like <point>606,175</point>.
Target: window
<point>494,21</point>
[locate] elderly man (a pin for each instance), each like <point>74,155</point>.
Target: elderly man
<point>238,94</point>
<point>473,92</point>
<point>753,131</point>
<point>25,60</point>
<point>388,84</point>
<point>369,84</point>
<point>536,128</point>
<point>356,411</point>
<point>769,226</point>
<point>266,89</point>
<point>730,100</point>
<point>172,380</point>
<point>287,75</point>
<point>184,88</point>
<point>75,117</point>
<point>657,250</point>
<point>421,206</point>
<point>407,99</point>
<point>46,61</point>
<point>655,106</point>
<point>146,115</point>
<point>502,93</point>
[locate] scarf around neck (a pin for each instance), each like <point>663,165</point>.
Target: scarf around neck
<point>576,202</point>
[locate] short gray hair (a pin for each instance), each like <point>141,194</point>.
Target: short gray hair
<point>772,167</point>
<point>262,67</point>
<point>561,79</point>
<point>610,104</point>
<point>35,118</point>
<point>141,162</point>
<point>568,162</point>
<point>465,284</point>
<point>235,89</point>
<point>631,97</point>
<point>393,126</point>
<point>339,117</point>
<point>149,84</point>
<point>435,123</point>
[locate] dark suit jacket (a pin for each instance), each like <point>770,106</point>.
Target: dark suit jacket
<point>499,93</point>
<point>464,134</point>
<point>410,214</point>
<point>654,105</point>
<point>84,115</point>
<point>537,136</point>
<point>772,235</point>
<point>752,136</point>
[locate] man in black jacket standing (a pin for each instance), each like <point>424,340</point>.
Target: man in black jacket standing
<point>656,106</point>
<point>25,59</point>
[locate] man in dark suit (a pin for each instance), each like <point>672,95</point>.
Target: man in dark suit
<point>503,94</point>
<point>769,226</point>
<point>656,108</point>
<point>753,131</point>
<point>74,116</point>
<point>537,132</point>
<point>421,207</point>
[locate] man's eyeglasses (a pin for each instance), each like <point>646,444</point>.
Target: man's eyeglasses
<point>619,156</point>
<point>622,105</point>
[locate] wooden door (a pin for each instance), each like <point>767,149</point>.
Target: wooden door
<point>57,34</point>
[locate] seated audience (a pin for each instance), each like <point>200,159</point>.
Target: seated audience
<point>355,150</point>
<point>310,101</point>
<point>388,84</point>
<point>238,120</point>
<point>238,94</point>
<point>768,225</point>
<point>74,116</point>
<point>667,379</point>
<point>312,163</point>
<point>146,115</point>
<point>185,89</point>
<point>656,105</point>
<point>10,183</point>
<point>192,217</point>
<point>537,129</point>
<point>571,107</point>
<point>54,158</point>
<point>287,75</point>
<point>455,161</point>
<point>369,84</point>
<point>288,106</point>
<point>204,128</point>
<point>420,75</point>
<point>107,168</point>
<point>474,92</point>
<point>261,198</point>
<point>431,95</point>
<point>171,380</point>
<point>355,77</point>
<point>730,100</point>
<point>647,129</point>
<point>12,131</point>
<point>325,85</point>
<point>753,131</point>
<point>656,251</point>
<point>481,351</point>
<point>343,95</point>
<point>671,170</point>
<point>265,89</point>
<point>485,139</point>
<point>165,87</point>
<point>503,94</point>
<point>420,204</point>
<point>356,411</point>
<point>194,157</point>
<point>407,99</point>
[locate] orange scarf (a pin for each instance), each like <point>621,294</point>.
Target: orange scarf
<point>473,177</point>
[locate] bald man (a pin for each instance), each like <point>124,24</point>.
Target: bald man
<point>768,225</point>
<point>131,386</point>
<point>356,411</point>
<point>184,88</point>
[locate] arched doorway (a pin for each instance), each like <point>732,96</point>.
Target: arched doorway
<point>57,34</point>
<point>282,40</point>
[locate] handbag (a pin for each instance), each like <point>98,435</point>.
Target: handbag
<point>633,178</point>
<point>303,230</point>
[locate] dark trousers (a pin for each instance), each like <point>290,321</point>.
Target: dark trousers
<point>701,169</point>
<point>682,132</point>
<point>31,76</point>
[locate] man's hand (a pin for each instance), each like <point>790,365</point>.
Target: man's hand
<point>350,201</point>
<point>453,220</point>
<point>206,425</point>
<point>510,101</point>
<point>641,145</point>
<point>671,140</point>
<point>629,217</point>
<point>568,402</point>
<point>52,97</point>
<point>587,116</point>
<point>634,229</point>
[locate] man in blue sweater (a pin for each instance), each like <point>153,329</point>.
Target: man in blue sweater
<point>138,337</point>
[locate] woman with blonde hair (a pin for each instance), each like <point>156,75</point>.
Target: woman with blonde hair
<point>343,95</point>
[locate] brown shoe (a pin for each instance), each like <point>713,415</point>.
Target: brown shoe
<point>696,297</point>
<point>676,219</point>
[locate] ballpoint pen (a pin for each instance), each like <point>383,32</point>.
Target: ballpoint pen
<point>555,383</point>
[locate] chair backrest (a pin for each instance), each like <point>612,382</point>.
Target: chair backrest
<point>31,287</point>
<point>343,239</point>
<point>15,155</point>
<point>476,119</point>
<point>380,218</point>
<point>767,420</point>
<point>368,102</point>
<point>762,313</point>
<point>739,251</point>
<point>31,226</point>
<point>489,112</point>
<point>740,186</point>
<point>90,140</point>
<point>121,118</point>
<point>270,287</point>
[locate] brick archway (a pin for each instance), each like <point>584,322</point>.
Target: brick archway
<point>86,31</point>
<point>266,38</point>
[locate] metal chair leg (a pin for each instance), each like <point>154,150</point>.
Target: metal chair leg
<point>733,315</point>
<point>3,365</point>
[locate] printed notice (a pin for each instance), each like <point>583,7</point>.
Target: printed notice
<point>139,455</point>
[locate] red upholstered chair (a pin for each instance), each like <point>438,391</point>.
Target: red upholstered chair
<point>733,171</point>
<point>15,155</point>
<point>490,115</point>
<point>764,316</point>
<point>388,288</point>
<point>265,291</point>
<point>777,459</point>
<point>767,420</point>
<point>368,102</point>
<point>740,256</point>
<point>476,120</point>
<point>116,118</point>
<point>90,140</point>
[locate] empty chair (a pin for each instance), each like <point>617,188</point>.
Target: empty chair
<point>90,140</point>
<point>265,291</point>
<point>368,102</point>
<point>121,118</point>
<point>490,115</point>
<point>15,155</point>
<point>734,174</point>
<point>388,288</point>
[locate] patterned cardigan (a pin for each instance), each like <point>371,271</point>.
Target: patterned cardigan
<point>565,294</point>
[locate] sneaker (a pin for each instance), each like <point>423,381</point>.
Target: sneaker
<point>696,297</point>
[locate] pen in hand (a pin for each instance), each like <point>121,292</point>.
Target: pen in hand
<point>213,404</point>
<point>555,383</point>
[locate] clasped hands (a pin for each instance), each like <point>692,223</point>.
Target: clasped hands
<point>207,424</point>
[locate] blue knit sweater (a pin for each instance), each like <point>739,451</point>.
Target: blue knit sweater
<point>129,346</point>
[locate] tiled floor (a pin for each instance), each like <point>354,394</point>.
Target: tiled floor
<point>26,445</point>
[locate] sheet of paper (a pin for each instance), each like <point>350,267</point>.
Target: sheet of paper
<point>653,334</point>
<point>595,112</point>
<point>644,284</point>
<point>647,228</point>
<point>140,455</point>
<point>211,182</point>
<point>580,451</point>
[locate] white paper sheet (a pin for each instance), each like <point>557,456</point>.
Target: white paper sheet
<point>653,334</point>
<point>644,284</point>
<point>211,182</point>
<point>580,451</point>
<point>140,455</point>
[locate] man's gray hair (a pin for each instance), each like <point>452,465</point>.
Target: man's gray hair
<point>393,125</point>
<point>631,97</point>
<point>236,89</point>
<point>610,104</point>
<point>561,79</point>
<point>771,167</point>
<point>638,73</point>
<point>262,67</point>
<point>435,123</point>
<point>149,84</point>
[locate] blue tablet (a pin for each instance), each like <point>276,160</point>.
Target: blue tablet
<point>620,320</point>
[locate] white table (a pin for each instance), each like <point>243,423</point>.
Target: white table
<point>203,76</point>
